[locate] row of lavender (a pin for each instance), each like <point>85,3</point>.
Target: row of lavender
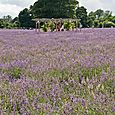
<point>57,73</point>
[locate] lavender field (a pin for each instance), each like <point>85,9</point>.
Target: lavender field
<point>58,73</point>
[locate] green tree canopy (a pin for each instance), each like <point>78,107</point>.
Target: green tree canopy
<point>7,22</point>
<point>99,13</point>
<point>25,18</point>
<point>81,13</point>
<point>101,18</point>
<point>54,8</point>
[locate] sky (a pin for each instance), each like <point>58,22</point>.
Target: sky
<point>13,7</point>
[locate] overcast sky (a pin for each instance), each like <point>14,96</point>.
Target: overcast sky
<point>13,7</point>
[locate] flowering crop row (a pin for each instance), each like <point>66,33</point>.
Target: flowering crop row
<point>59,73</point>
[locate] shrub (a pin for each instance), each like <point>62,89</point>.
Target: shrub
<point>52,26</point>
<point>108,24</point>
<point>73,25</point>
<point>45,27</point>
<point>96,23</point>
<point>100,25</point>
<point>67,25</point>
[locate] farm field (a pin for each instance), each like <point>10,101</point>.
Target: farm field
<point>57,73</point>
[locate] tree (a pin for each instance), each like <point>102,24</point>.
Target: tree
<point>7,18</point>
<point>15,20</point>
<point>99,18</point>
<point>1,23</point>
<point>108,24</point>
<point>107,13</point>
<point>90,19</point>
<point>96,23</point>
<point>99,13</point>
<point>25,19</point>
<point>90,22</point>
<point>81,13</point>
<point>54,8</point>
<point>92,15</point>
<point>6,22</point>
<point>113,19</point>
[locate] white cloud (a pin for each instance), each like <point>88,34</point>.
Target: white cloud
<point>21,3</point>
<point>8,9</point>
<point>13,7</point>
<point>98,4</point>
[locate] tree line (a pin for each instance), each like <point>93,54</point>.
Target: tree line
<point>59,9</point>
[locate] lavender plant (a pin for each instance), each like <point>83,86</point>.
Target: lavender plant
<point>60,73</point>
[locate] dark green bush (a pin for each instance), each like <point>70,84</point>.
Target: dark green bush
<point>67,25</point>
<point>96,23</point>
<point>45,27</point>
<point>100,25</point>
<point>52,26</point>
<point>108,24</point>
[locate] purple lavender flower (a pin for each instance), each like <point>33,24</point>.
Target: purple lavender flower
<point>60,72</point>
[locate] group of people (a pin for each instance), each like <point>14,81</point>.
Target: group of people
<point>59,26</point>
